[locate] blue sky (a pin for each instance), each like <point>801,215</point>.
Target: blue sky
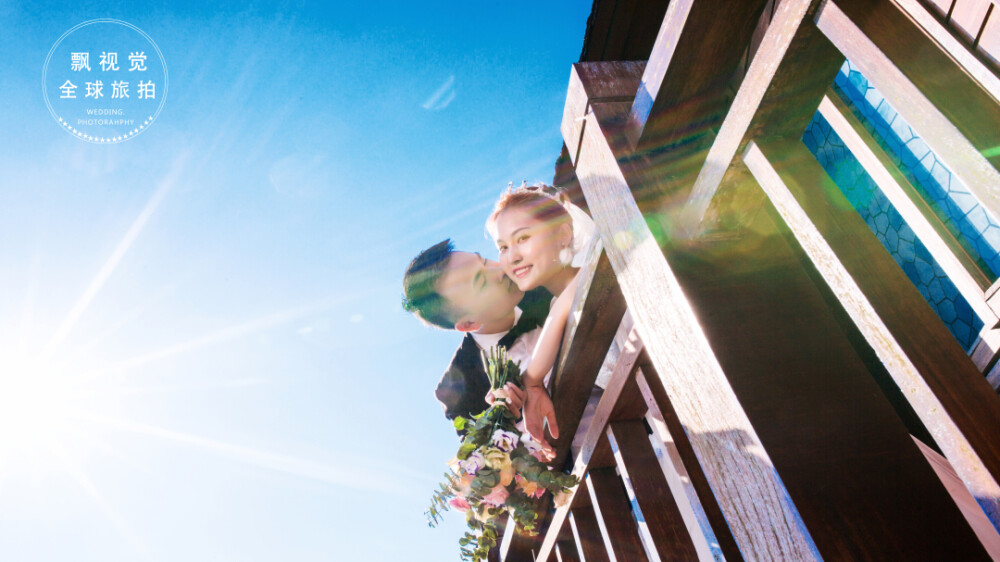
<point>202,353</point>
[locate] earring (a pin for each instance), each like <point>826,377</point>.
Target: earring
<point>565,256</point>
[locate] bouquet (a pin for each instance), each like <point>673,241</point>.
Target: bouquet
<point>497,470</point>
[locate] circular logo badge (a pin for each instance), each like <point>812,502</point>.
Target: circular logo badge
<point>104,81</point>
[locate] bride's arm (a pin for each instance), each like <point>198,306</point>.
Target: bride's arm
<point>538,406</point>
<point>544,355</point>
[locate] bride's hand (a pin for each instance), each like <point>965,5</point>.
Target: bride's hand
<point>537,410</point>
<point>512,395</point>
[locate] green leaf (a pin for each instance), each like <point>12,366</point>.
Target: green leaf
<point>546,479</point>
<point>465,450</point>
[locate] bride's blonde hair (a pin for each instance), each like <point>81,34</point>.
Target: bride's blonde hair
<point>539,204</point>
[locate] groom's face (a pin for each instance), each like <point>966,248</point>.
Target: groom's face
<point>478,288</point>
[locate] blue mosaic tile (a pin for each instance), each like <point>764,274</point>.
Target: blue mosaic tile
<point>894,233</point>
<point>960,212</point>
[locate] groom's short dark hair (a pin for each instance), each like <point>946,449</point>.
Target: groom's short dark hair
<point>420,295</point>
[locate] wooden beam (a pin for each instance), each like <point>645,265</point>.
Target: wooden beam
<point>805,401</point>
<point>595,451</point>
<point>984,76</point>
<point>586,531</point>
<point>596,317</point>
<point>933,70</point>
<point>946,250</point>
<point>784,26</point>
<point>941,134</point>
<point>836,110</point>
<point>614,516</point>
<point>566,550</point>
<point>959,431</point>
<point>756,504</point>
<point>592,83</point>
<point>685,84</point>
<point>668,430</point>
<point>970,509</point>
<point>672,534</point>
<point>971,287</point>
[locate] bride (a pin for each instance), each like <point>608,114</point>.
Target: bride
<point>534,237</point>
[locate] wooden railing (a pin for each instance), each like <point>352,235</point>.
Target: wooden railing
<point>764,360</point>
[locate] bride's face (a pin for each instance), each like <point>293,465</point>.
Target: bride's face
<point>529,248</point>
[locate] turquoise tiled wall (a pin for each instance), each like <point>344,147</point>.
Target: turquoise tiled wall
<point>967,220</point>
<point>890,228</point>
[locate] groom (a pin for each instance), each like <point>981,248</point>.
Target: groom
<point>463,291</point>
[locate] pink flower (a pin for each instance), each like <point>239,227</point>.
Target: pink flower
<point>530,489</point>
<point>459,503</point>
<point>561,498</point>
<point>497,496</point>
<point>464,484</point>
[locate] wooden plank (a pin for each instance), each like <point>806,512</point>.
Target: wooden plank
<point>591,83</point>
<point>786,108</point>
<point>518,547</point>
<point>622,29</point>
<point>979,72</point>
<point>957,118</point>
<point>586,531</point>
<point>782,30</point>
<point>695,54</point>
<point>598,27</point>
<point>989,42</point>
<point>869,147</point>
<point>566,550</point>
<point>620,24</point>
<point>809,398</point>
<point>960,410</point>
<point>668,429</point>
<point>970,509</point>
<point>642,31</point>
<point>961,268</point>
<point>596,317</point>
<point>614,516</point>
<point>670,531</point>
<point>494,555</point>
<point>764,521</point>
<point>968,16</point>
<point>595,452</point>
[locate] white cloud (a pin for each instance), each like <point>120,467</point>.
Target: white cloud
<point>442,97</point>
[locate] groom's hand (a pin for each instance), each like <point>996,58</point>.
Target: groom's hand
<point>512,396</point>
<point>537,410</point>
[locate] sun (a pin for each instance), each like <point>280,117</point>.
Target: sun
<point>36,409</point>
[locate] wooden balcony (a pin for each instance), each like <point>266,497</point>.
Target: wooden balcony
<point>774,385</point>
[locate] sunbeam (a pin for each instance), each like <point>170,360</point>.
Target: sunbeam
<point>119,252</point>
<point>230,333</point>
<point>106,508</point>
<point>128,317</point>
<point>353,474</point>
<point>28,308</point>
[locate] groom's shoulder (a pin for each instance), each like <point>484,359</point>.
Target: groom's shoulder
<point>536,302</point>
<point>460,380</point>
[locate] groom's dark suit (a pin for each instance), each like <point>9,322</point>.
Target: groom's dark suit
<point>463,387</point>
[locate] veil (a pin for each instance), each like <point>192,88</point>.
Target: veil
<point>585,233</point>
